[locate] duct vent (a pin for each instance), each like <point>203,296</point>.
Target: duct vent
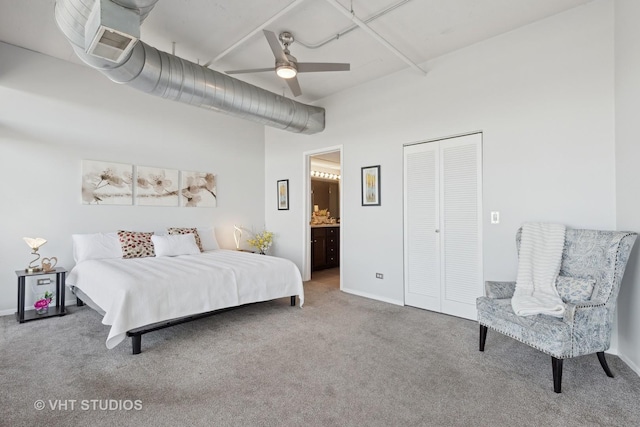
<point>111,31</point>
<point>106,37</point>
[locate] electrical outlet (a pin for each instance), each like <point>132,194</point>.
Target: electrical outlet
<point>44,282</point>
<point>379,276</point>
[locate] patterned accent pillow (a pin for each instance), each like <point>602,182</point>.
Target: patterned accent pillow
<point>573,289</point>
<point>136,244</point>
<point>194,231</point>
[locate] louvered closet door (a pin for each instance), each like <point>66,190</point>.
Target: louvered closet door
<point>442,210</point>
<point>421,227</point>
<point>460,198</point>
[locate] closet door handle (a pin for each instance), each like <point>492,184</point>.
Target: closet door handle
<point>437,230</point>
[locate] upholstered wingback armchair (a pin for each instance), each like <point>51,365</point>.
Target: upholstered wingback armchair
<point>593,263</point>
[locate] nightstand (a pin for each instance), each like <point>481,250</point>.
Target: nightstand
<point>59,310</point>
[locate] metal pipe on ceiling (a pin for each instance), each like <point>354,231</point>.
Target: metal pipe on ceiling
<point>353,27</point>
<point>349,14</point>
<point>168,76</point>
<point>253,32</point>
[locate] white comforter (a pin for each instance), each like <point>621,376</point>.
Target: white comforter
<point>141,291</point>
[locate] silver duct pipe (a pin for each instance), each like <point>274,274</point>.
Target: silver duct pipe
<point>168,76</point>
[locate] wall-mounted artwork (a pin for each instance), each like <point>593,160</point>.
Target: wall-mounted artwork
<point>198,189</point>
<point>156,186</point>
<point>371,186</point>
<point>106,183</point>
<point>283,195</point>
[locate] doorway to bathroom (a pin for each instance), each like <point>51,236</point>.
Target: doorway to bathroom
<point>323,215</point>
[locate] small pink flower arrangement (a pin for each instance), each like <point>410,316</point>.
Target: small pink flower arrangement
<point>42,304</point>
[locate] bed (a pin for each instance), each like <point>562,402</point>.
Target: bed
<point>141,295</point>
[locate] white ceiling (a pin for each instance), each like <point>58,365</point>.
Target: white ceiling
<point>202,29</point>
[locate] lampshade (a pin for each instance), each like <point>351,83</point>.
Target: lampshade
<point>34,243</point>
<point>237,235</point>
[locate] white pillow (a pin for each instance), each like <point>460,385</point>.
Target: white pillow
<point>96,246</point>
<point>174,245</point>
<point>208,238</point>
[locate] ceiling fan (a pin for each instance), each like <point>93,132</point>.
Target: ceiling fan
<point>287,66</point>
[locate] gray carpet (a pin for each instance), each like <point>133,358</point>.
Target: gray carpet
<point>342,360</point>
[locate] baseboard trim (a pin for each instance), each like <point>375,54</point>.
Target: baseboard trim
<point>630,364</point>
<point>372,296</point>
<point>7,312</point>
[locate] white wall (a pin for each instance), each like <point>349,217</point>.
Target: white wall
<point>542,95</point>
<point>53,114</point>
<point>627,91</point>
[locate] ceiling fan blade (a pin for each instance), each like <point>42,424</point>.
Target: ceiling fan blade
<point>294,86</point>
<point>310,67</point>
<point>275,46</point>
<point>253,70</point>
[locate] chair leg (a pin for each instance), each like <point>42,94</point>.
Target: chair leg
<point>483,336</point>
<point>603,363</point>
<point>556,365</point>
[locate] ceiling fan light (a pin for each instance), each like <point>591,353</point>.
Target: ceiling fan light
<point>286,71</point>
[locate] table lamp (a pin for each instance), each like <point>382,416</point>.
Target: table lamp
<point>34,244</point>
<point>237,235</point>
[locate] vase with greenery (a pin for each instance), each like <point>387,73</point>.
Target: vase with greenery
<point>261,241</point>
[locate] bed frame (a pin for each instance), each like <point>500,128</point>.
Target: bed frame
<point>137,333</point>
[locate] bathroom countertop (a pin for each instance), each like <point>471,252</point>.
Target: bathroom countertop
<point>324,225</point>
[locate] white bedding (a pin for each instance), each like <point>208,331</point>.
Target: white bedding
<point>141,291</point>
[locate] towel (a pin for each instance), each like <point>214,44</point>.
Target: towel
<point>541,248</point>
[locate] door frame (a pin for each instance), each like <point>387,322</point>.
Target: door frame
<point>306,210</point>
<point>480,197</point>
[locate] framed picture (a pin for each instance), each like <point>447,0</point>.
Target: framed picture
<point>156,186</point>
<point>283,195</point>
<point>107,183</point>
<point>198,189</point>
<point>371,186</point>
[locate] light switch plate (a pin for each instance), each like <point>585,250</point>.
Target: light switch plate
<point>495,217</point>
